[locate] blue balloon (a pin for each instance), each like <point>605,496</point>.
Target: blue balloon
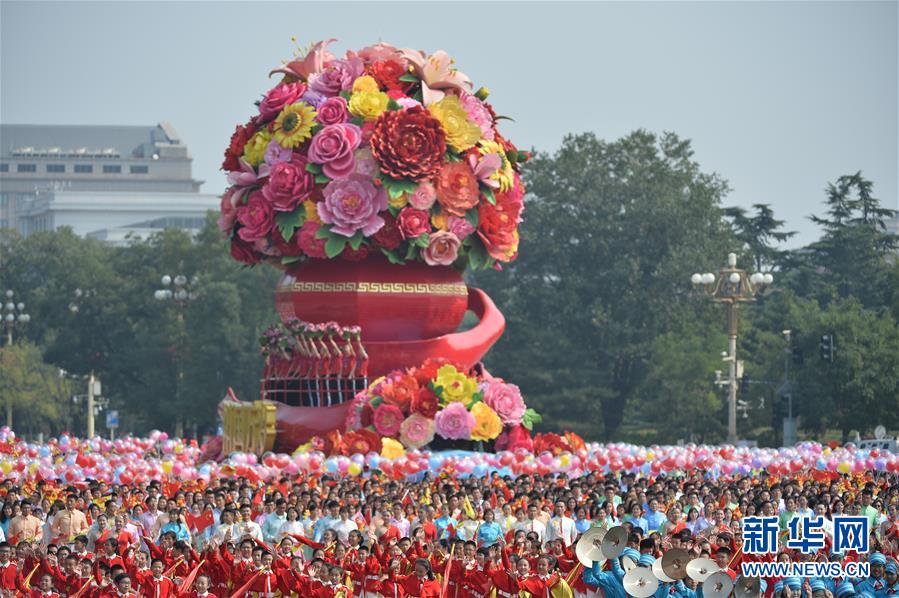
<point>480,469</point>
<point>434,463</point>
<point>331,466</point>
<point>44,451</point>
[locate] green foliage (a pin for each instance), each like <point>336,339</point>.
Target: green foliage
<point>612,232</point>
<point>133,342</point>
<point>39,397</point>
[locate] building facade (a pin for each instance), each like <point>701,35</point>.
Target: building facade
<point>114,183</point>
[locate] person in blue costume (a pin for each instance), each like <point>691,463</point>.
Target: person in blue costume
<point>891,576</point>
<point>875,584</point>
<point>607,581</point>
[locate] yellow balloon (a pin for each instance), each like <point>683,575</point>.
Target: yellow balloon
<point>565,460</point>
<point>6,466</point>
<point>844,467</point>
<point>354,469</point>
<point>167,466</point>
<point>826,450</point>
<point>649,455</point>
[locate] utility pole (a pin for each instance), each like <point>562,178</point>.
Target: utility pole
<point>90,404</point>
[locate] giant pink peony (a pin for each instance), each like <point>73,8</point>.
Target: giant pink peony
<point>506,400</point>
<point>416,431</point>
<point>442,249</point>
<point>388,419</point>
<point>353,204</point>
<point>454,422</point>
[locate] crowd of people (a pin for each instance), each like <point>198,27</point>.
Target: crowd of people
<point>441,536</point>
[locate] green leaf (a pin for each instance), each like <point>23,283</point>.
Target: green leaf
<point>422,240</point>
<point>288,222</point>
<point>530,418</point>
<point>477,255</point>
<point>313,167</point>
<point>376,401</point>
<point>346,95</point>
<point>512,156</point>
<point>323,232</point>
<point>335,245</point>
<point>356,240</point>
<point>472,217</point>
<point>395,192</point>
<point>392,105</point>
<point>452,156</point>
<point>392,257</point>
<point>393,210</point>
<point>322,179</point>
<point>418,97</point>
<point>504,118</point>
<point>409,78</point>
<point>410,252</point>
<point>488,193</point>
<point>290,259</point>
<point>358,121</point>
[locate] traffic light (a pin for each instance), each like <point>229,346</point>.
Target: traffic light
<point>828,346</point>
<point>744,383</point>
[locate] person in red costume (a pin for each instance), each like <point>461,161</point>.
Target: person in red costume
<point>202,585</point>
<point>45,588</point>
<point>540,584</point>
<point>153,583</point>
<point>421,583</point>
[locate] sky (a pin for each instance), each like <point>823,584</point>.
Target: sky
<point>778,98</point>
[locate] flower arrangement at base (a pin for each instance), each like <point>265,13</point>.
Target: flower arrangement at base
<point>385,150</point>
<point>440,400</point>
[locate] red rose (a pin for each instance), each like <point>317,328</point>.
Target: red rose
<point>387,73</point>
<point>514,438</point>
<point>425,402</point>
<point>239,138</point>
<point>256,217</point>
<point>498,224</point>
<point>408,143</point>
<point>243,251</point>
<point>389,235</point>
<point>289,183</point>
<point>355,255</point>
<point>413,223</point>
<point>310,245</point>
<point>290,248</point>
<point>278,97</point>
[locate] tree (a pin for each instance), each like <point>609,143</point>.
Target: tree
<point>757,233</point>
<point>612,232</point>
<point>851,257</point>
<point>33,389</point>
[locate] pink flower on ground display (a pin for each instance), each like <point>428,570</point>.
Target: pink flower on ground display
<point>387,419</point>
<point>333,147</point>
<point>506,400</point>
<point>454,422</point>
<point>228,209</point>
<point>257,217</point>
<point>416,431</point>
<point>353,204</point>
<point>442,249</point>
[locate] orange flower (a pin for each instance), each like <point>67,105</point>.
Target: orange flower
<point>401,391</point>
<point>457,188</point>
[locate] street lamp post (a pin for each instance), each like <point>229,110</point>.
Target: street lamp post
<point>15,318</point>
<point>732,286</point>
<point>178,290</point>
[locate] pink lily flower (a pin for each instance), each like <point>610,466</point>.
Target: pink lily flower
<point>437,74</point>
<point>485,167</point>
<point>247,175</point>
<point>313,62</point>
